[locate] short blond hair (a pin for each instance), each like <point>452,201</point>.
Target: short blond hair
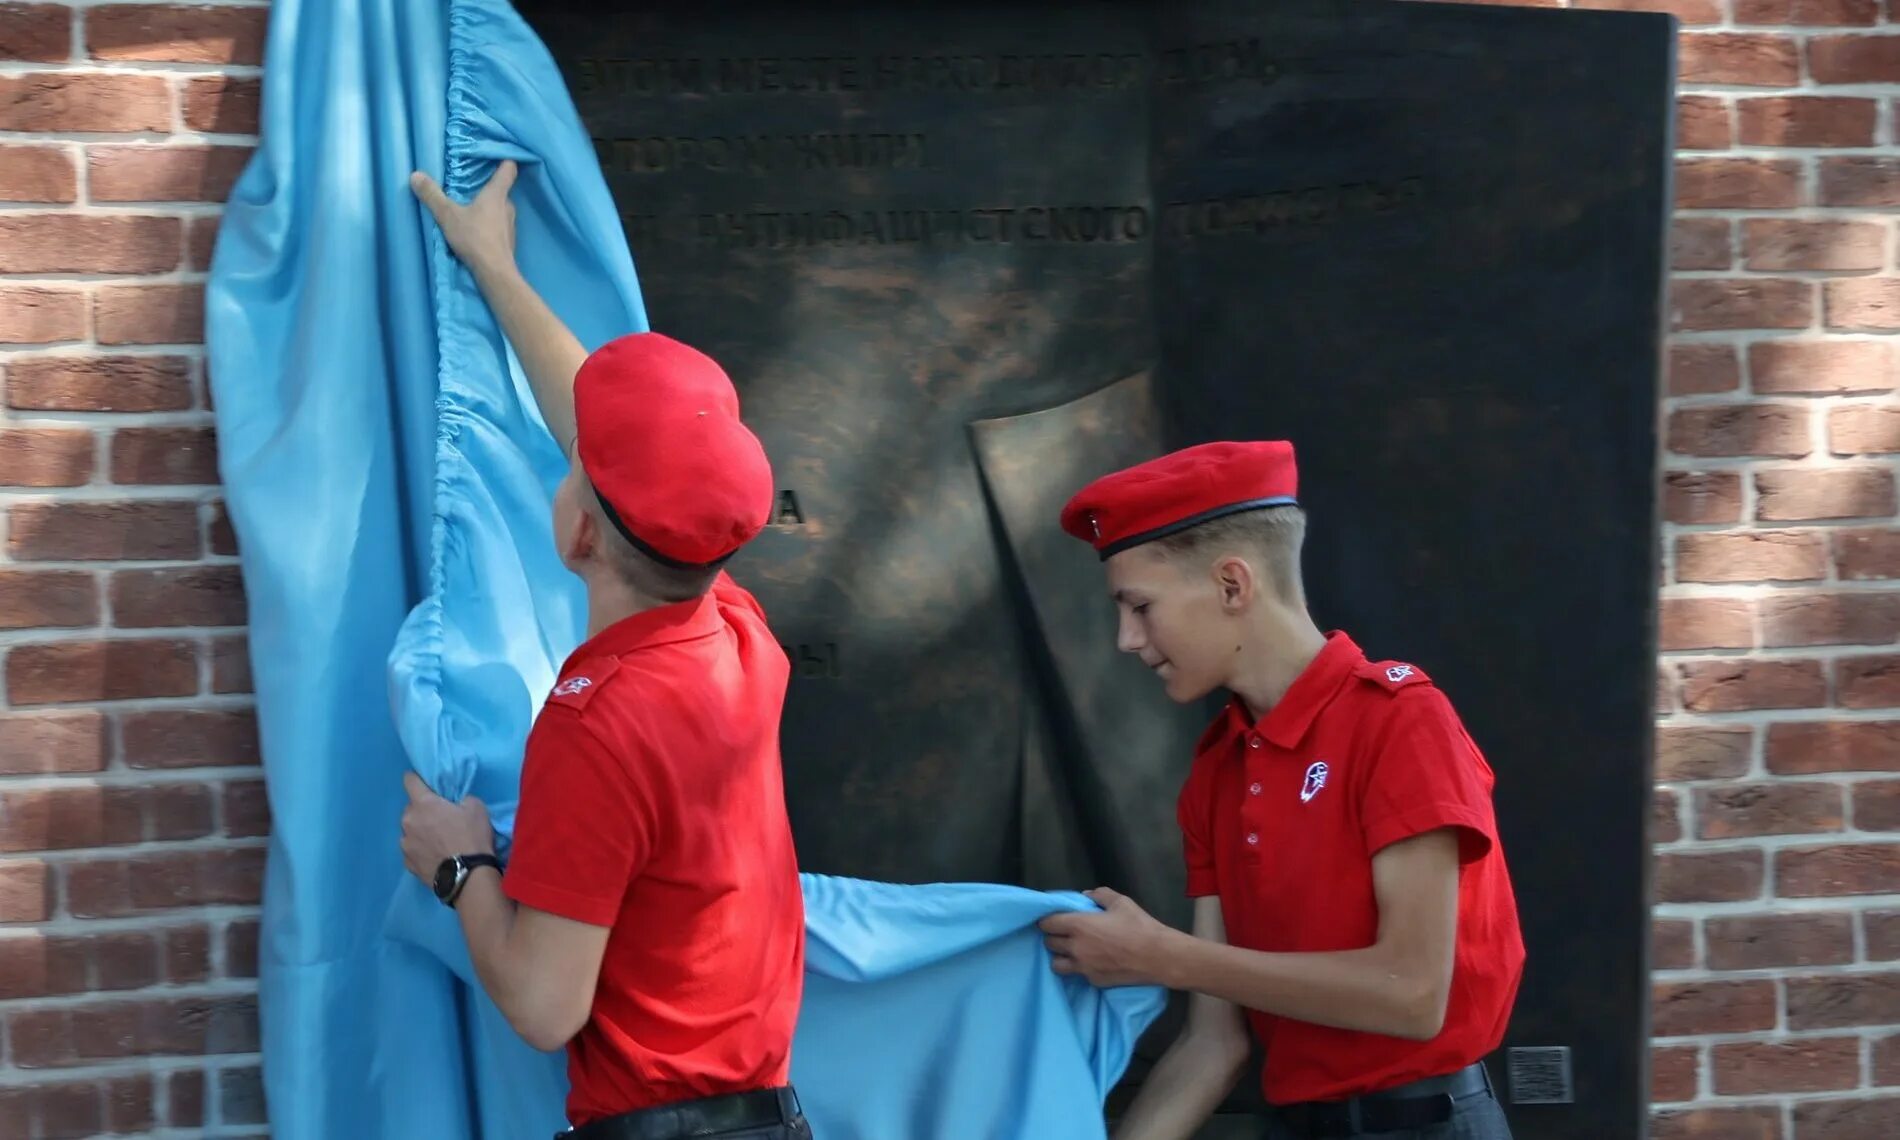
<point>1274,535</point>
<point>650,577</point>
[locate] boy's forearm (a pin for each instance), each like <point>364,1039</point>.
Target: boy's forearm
<point>487,916</point>
<point>549,351</point>
<point>1369,990</point>
<point>1184,1089</point>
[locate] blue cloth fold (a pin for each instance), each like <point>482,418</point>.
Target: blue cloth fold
<point>389,480</point>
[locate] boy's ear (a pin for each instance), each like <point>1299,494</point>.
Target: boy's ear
<point>1234,577</point>
<point>585,539</point>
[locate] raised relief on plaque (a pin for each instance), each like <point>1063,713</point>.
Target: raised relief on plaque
<point>1309,207</point>
<point>1204,65</point>
<point>971,73</point>
<point>765,154</point>
<point>976,225</point>
<point>787,512</point>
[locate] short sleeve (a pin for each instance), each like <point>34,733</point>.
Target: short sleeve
<point>583,829</point>
<point>1426,773</point>
<point>1194,811</point>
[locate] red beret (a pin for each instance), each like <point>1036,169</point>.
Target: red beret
<point>1186,488</point>
<point>661,440</point>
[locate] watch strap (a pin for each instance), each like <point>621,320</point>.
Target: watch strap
<point>467,865</point>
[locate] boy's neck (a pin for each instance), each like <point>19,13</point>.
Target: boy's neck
<point>611,601</point>
<point>1279,647</point>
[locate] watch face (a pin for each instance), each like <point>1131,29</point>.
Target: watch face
<point>445,878</point>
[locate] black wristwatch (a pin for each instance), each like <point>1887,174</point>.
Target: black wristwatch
<point>453,875</point>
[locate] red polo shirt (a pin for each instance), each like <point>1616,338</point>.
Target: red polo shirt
<point>1281,819</point>
<point>652,802</point>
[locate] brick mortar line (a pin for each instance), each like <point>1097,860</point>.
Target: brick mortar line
<point>80,350</point>
<point>81,144</point>
<point>182,273</point>
<point>1757,910</point>
<point>80,635</point>
<point>1792,1037</point>
<point>103,570</point>
<point>219,914</point>
<point>1742,273</point>
<point>1696,844</point>
<point>50,280</point>
<point>131,207</point>
<point>1823,653</point>
<point>1678,460</point>
<point>1834,523</point>
<point>144,848</point>
<point>107,422</point>
<point>1703,913</point>
<point>208,702</point>
<point>1744,338</point>
<point>80,5</point>
<point>1700,975</point>
<point>87,65</point>
<point>178,275</point>
<point>96,492</point>
<point>1764,718</point>
<point>217,775</point>
<point>1805,212</point>
<point>1782,150</point>
<point>157,1064</point>
<point>106,566</point>
<point>108,623</point>
<point>222,915</point>
<point>1743,1100</point>
<point>180,138</point>
<point>162,991</point>
<point>1805,274</point>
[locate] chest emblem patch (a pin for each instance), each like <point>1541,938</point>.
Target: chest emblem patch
<point>1315,780</point>
<point>1398,673</point>
<point>571,686</point>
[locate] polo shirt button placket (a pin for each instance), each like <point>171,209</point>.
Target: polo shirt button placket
<point>1254,788</point>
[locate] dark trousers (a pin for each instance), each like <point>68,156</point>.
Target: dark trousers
<point>1461,1106</point>
<point>769,1114</point>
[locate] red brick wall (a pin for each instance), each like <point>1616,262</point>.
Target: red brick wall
<point>1777,993</point>
<point>131,813</point>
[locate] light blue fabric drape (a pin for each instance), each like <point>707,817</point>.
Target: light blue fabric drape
<point>389,481</point>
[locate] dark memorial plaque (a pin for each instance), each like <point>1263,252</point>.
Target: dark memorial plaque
<point>961,259</point>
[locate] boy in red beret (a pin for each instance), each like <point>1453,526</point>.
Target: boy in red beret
<point>650,919</point>
<point>1351,894</point>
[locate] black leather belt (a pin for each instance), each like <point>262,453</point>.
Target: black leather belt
<point>1419,1104</point>
<point>711,1116</point>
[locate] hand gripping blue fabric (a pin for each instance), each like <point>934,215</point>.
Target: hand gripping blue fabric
<point>389,480</point>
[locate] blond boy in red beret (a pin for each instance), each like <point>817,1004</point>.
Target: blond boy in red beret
<point>1352,904</point>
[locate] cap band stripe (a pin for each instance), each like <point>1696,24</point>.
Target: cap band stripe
<point>1180,525</point>
<point>663,559</point>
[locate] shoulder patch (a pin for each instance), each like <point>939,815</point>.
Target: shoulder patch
<point>579,686</point>
<point>1392,675</point>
